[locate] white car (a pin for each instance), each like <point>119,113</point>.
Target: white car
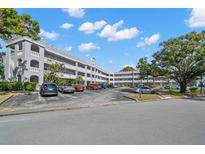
<point>144,90</point>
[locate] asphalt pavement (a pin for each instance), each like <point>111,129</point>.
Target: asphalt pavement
<point>78,99</point>
<point>179,121</point>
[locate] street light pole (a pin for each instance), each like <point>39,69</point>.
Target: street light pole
<point>201,89</point>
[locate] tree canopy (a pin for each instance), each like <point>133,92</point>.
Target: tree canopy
<point>144,67</point>
<point>52,74</point>
<point>1,65</point>
<point>127,69</point>
<point>182,58</point>
<point>11,24</point>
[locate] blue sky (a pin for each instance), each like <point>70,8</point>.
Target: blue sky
<point>137,33</point>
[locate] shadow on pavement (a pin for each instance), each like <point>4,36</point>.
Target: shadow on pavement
<point>130,90</point>
<point>197,98</point>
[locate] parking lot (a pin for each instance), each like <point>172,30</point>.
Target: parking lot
<point>86,98</point>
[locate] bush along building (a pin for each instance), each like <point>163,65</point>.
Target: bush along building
<point>27,60</point>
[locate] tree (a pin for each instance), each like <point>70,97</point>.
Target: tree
<point>127,69</point>
<point>144,68</point>
<point>79,80</point>
<point>182,58</point>
<point>52,74</point>
<point>1,65</point>
<point>13,24</point>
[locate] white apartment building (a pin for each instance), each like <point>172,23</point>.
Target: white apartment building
<point>37,55</point>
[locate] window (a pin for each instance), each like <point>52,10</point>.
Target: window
<point>81,73</point>
<point>34,78</point>
<point>34,63</point>
<point>81,65</point>
<point>20,46</point>
<point>34,48</point>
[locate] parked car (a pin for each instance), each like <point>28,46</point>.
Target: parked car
<point>144,90</point>
<point>66,88</point>
<point>112,86</point>
<point>93,87</point>
<point>115,86</point>
<point>79,88</point>
<point>48,89</point>
<point>102,86</point>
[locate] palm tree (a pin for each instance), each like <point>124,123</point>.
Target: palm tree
<point>79,79</point>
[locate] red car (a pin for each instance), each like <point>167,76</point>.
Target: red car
<point>93,87</point>
<point>79,88</point>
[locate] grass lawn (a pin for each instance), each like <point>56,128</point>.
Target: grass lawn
<point>144,97</point>
<point>176,93</point>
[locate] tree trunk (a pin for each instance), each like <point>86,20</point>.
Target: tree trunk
<point>183,86</point>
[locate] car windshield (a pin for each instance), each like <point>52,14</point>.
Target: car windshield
<point>67,84</point>
<point>49,86</point>
<point>144,87</point>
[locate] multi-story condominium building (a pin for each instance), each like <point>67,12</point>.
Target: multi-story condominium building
<point>36,55</point>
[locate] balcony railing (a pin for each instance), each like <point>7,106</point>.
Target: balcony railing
<point>34,69</point>
<point>35,54</point>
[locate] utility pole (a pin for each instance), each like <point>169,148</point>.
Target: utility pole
<point>132,78</point>
<point>201,90</point>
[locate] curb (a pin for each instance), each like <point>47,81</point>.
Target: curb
<point>5,99</point>
<point>161,98</point>
<point>53,109</point>
<point>131,98</point>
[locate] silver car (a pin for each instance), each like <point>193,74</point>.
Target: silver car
<point>66,88</point>
<point>144,90</point>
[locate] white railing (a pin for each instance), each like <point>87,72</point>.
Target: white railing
<point>35,54</point>
<point>34,69</point>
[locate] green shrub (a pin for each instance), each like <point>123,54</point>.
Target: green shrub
<point>15,86</point>
<point>5,86</point>
<point>193,90</point>
<point>30,86</point>
<point>10,86</point>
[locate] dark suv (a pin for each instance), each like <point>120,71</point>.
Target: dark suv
<point>48,89</point>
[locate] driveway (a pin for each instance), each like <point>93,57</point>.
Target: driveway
<point>161,122</point>
<point>78,99</point>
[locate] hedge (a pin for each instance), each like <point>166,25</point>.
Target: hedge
<point>11,86</point>
<point>30,86</point>
<point>17,86</point>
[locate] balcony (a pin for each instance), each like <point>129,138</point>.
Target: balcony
<point>35,54</point>
<point>67,76</point>
<point>34,69</point>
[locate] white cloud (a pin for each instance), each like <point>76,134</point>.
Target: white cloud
<point>87,47</point>
<point>197,18</point>
<point>110,61</point>
<point>66,26</point>
<point>87,55</point>
<point>75,12</point>
<point>89,27</point>
<point>148,40</point>
<point>110,32</point>
<point>49,35</point>
<point>68,48</point>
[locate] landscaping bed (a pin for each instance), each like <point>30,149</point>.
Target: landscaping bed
<point>143,97</point>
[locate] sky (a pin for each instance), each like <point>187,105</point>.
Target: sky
<point>115,37</point>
